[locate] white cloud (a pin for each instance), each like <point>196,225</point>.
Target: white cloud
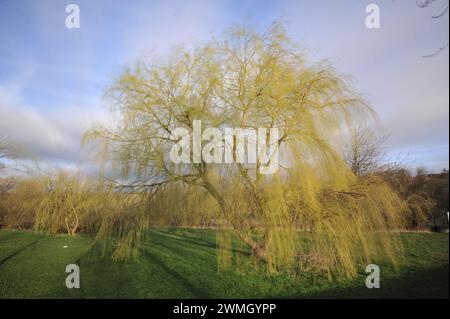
<point>55,137</point>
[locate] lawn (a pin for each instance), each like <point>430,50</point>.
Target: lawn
<point>182,263</point>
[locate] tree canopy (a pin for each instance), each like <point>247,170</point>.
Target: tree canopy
<point>250,80</point>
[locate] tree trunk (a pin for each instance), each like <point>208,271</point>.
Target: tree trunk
<point>257,249</point>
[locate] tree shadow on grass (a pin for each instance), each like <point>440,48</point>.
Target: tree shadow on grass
<point>172,236</point>
<point>179,279</point>
<point>414,284</point>
<point>99,268</point>
<point>18,251</point>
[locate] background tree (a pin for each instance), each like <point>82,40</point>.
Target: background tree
<point>365,152</point>
<point>415,189</point>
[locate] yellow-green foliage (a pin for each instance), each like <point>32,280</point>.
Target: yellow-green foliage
<point>66,202</point>
<point>70,203</point>
<point>124,221</point>
<point>183,206</point>
<point>346,228</point>
<point>18,201</point>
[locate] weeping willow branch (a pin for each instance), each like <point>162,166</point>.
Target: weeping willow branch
<point>250,80</point>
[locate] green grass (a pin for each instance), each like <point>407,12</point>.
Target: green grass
<point>178,263</point>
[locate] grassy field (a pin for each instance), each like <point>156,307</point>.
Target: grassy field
<point>179,263</point>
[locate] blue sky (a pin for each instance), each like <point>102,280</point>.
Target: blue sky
<point>52,78</point>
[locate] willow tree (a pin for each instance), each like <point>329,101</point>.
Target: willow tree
<point>250,80</point>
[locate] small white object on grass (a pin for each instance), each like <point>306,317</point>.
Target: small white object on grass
<point>65,246</point>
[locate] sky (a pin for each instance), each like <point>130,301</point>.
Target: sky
<point>52,78</point>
